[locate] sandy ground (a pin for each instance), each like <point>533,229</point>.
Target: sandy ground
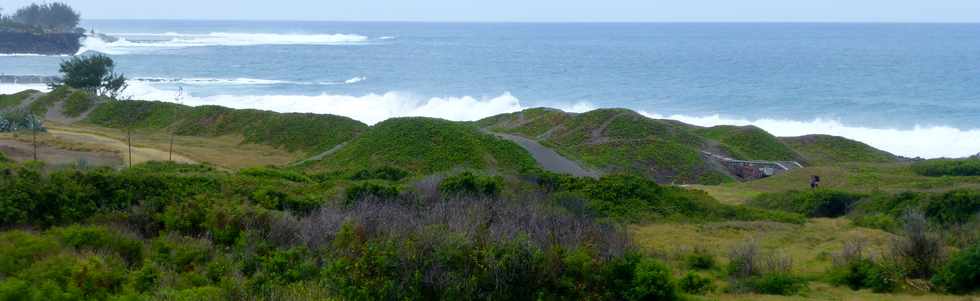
<point>23,151</point>
<point>140,154</point>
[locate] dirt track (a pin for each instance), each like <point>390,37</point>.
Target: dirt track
<point>140,154</point>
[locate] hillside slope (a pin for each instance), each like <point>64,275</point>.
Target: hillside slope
<point>306,132</point>
<point>426,145</point>
<point>828,150</point>
<point>616,141</point>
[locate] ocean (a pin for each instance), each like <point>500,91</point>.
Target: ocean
<point>911,89</point>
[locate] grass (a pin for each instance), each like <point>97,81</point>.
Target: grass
<point>14,100</point>
<point>851,177</point>
<point>78,102</point>
<point>948,167</point>
<point>831,150</point>
<point>750,143</point>
<point>616,141</point>
<point>426,145</point>
<point>310,133</point>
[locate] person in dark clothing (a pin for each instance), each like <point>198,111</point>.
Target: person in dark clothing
<point>814,182</point>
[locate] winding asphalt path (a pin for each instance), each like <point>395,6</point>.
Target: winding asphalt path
<point>548,158</point>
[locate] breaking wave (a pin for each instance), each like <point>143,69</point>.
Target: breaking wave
<point>204,81</point>
<point>919,141</point>
<point>128,43</point>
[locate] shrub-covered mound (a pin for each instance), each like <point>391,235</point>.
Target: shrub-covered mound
<point>14,100</point>
<point>617,141</point>
<point>750,143</point>
<point>291,131</point>
<point>829,150</point>
<point>427,145</point>
<point>948,167</point>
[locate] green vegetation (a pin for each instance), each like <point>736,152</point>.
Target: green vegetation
<point>424,146</point>
<point>42,18</point>
<point>831,150</point>
<point>94,74</point>
<point>948,167</point>
<point>77,103</point>
<point>812,203</point>
<point>749,143</point>
<point>961,274</point>
<point>292,131</point>
<point>137,234</point>
<point>617,141</point>
<point>14,100</point>
<point>634,198</point>
<point>41,105</point>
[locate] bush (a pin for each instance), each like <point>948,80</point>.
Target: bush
<point>78,102</point>
<point>777,284</point>
<point>692,283</point>
<point>652,281</point>
<point>953,208</point>
<point>470,184</point>
<point>700,259</point>
<point>812,203</point>
<point>947,167</point>
<point>865,273</point>
<point>98,238</point>
<point>918,252</point>
<point>961,275</point>
<point>274,173</point>
<point>386,173</point>
<point>379,191</point>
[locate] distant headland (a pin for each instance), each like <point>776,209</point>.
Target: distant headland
<point>45,29</point>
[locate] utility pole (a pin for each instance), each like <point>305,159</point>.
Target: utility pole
<point>177,99</point>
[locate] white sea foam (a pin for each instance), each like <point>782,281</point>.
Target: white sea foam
<point>206,81</point>
<point>922,141</point>
<point>30,55</point>
<point>919,141</point>
<point>143,42</point>
<point>8,88</point>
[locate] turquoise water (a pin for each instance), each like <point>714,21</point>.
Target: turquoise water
<point>913,89</point>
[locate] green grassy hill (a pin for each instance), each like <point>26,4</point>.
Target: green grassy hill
<point>426,145</point>
<point>749,143</point>
<point>291,131</point>
<point>14,100</point>
<point>619,140</point>
<point>828,150</point>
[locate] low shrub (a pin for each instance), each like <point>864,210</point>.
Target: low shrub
<point>275,173</point>
<point>78,102</point>
<point>918,252</point>
<point>947,167</point>
<point>470,184</point>
<point>652,281</point>
<point>99,238</point>
<point>386,173</point>
<point>700,259</point>
<point>961,274</point>
<point>812,203</point>
<point>783,284</point>
<point>865,273</point>
<point>693,283</point>
<point>379,191</point>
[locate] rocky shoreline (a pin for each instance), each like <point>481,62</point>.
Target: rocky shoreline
<point>43,44</point>
<point>28,79</point>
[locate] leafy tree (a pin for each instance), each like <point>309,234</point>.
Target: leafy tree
<point>95,73</point>
<point>50,17</point>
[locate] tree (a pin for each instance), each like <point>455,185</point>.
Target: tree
<point>94,73</point>
<point>49,17</point>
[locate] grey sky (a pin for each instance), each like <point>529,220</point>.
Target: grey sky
<point>535,10</point>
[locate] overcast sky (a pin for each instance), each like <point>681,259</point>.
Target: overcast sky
<point>534,10</point>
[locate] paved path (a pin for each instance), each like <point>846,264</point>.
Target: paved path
<point>548,158</point>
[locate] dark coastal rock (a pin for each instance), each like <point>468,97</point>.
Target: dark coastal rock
<point>28,79</point>
<point>45,44</point>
